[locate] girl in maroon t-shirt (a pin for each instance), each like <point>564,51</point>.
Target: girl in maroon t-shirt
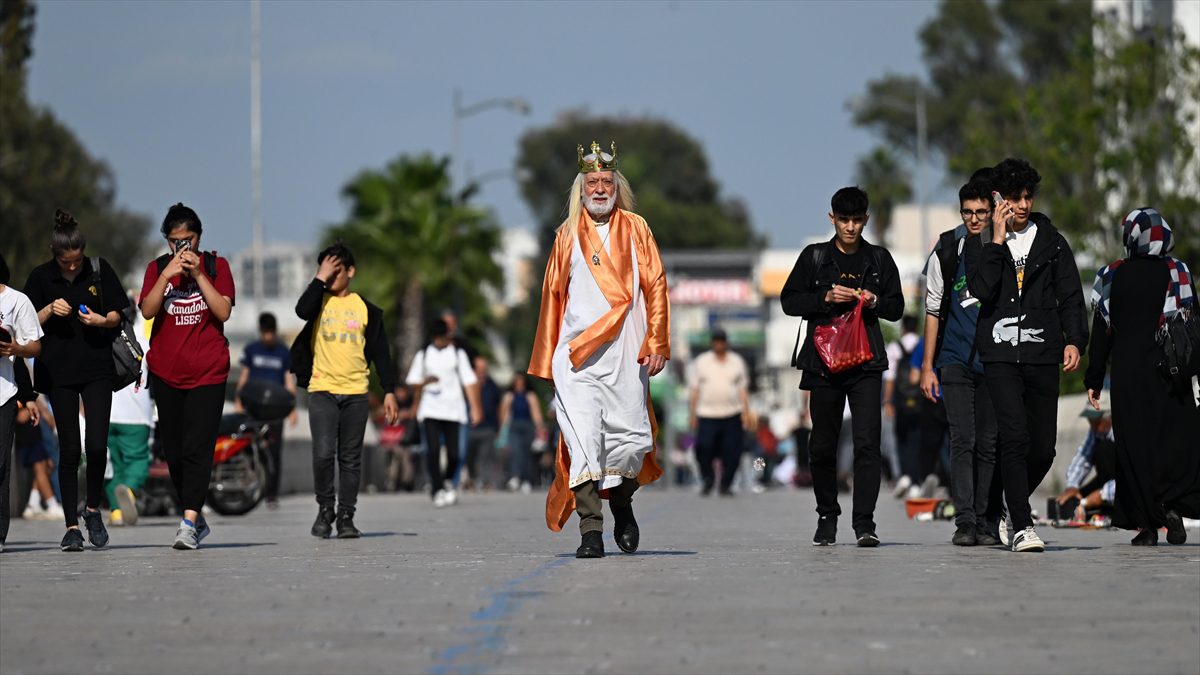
<point>189,295</point>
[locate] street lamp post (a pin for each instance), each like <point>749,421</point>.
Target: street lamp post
<point>514,103</point>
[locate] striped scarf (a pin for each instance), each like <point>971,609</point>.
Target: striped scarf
<point>1148,235</point>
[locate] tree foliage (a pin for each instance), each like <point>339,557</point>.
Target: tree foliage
<point>44,166</point>
<point>1100,109</point>
<point>667,169</point>
<point>886,181</point>
<point>420,248</point>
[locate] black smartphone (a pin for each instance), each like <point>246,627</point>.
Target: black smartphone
<point>5,336</point>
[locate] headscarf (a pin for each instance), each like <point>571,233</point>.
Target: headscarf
<point>1147,235</point>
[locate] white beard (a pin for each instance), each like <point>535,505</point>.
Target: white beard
<point>600,209</point>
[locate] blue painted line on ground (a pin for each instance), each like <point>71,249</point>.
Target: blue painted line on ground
<point>487,638</point>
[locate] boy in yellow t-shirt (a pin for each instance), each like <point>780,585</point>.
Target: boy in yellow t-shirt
<point>331,357</point>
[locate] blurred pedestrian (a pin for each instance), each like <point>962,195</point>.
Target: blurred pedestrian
<point>521,417</point>
<point>1155,421</point>
<point>952,372</point>
<point>1031,319</point>
<point>482,463</point>
<point>343,335</point>
<point>132,422</point>
<point>20,338</point>
<point>79,302</point>
<point>446,386</point>
<point>902,405</point>
<point>188,293</point>
<point>269,360</point>
<point>719,411</point>
<point>1099,452</point>
<point>829,279</point>
<point>603,331</point>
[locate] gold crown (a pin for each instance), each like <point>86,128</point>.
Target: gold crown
<point>598,163</point>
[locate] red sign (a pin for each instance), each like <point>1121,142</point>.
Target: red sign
<point>711,292</point>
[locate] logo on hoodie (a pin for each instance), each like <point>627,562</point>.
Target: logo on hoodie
<point>1006,330</point>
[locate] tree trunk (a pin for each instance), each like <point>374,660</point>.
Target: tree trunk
<point>411,333</point>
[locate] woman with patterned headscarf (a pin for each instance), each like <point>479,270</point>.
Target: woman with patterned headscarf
<point>1155,424</point>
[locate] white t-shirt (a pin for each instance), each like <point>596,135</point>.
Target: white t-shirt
<point>895,351</point>
<point>1019,244</point>
<point>130,406</point>
<point>719,383</point>
<point>19,318</point>
<point>444,399</point>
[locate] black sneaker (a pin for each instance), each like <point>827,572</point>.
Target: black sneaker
<point>592,546</point>
<point>345,526</point>
<point>626,531</point>
<point>867,539</point>
<point>1176,532</point>
<point>1147,537</point>
<point>73,540</point>
<point>706,490</point>
<point>986,539</point>
<point>323,525</point>
<point>95,527</point>
<point>826,531</point>
<point>965,536</point>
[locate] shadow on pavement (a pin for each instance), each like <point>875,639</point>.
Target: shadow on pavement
<point>368,535</point>
<point>639,554</point>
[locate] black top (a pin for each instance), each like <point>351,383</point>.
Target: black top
<point>817,270</point>
<point>850,266</point>
<point>72,353</point>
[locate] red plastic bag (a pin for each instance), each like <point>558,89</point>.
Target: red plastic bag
<point>843,344</point>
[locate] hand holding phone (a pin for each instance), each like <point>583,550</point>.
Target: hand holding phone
<point>83,309</point>
<point>5,336</point>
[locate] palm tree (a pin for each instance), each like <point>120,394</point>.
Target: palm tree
<point>417,243</point>
<point>888,184</point>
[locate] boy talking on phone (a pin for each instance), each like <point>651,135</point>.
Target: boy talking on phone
<point>1031,319</point>
<point>331,357</point>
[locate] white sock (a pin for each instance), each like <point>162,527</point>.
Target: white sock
<point>52,503</point>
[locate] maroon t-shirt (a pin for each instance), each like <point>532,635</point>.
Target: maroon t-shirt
<point>187,345</point>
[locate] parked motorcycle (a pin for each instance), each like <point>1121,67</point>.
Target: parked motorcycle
<point>241,462</point>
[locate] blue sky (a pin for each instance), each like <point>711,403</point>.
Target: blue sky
<point>161,90</point>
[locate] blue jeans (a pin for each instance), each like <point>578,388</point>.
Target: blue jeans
<point>520,439</point>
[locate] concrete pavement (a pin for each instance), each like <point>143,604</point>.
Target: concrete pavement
<point>721,585</point>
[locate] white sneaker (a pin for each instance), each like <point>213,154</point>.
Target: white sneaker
<point>451,497</point>
<point>1028,541</point>
<point>902,486</point>
<point>31,513</point>
<point>1005,527</point>
<point>526,488</point>
<point>514,484</point>
<point>929,485</point>
<point>914,492</point>
<point>439,499</point>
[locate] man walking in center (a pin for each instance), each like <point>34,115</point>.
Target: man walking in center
<point>603,331</point>
<point>1031,319</point>
<point>828,280</point>
<point>719,407</point>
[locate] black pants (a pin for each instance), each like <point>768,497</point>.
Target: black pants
<point>972,445</point>
<point>439,434</point>
<point>338,423</point>
<point>1025,397</point>
<point>187,428</point>
<point>97,406</point>
<point>8,430</point>
<point>719,437</point>
<point>864,391</point>
<point>275,459</point>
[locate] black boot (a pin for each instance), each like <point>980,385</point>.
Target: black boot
<point>1176,533</point>
<point>323,525</point>
<point>592,546</point>
<point>345,525</point>
<point>625,531</point>
<point>1146,537</point>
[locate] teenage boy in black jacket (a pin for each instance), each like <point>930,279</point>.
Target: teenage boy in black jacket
<point>331,357</point>
<point>828,280</point>
<point>1031,319</point>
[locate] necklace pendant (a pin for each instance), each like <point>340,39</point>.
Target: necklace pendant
<point>596,259</point>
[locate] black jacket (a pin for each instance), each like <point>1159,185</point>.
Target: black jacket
<point>804,295</point>
<point>1048,312</point>
<point>308,307</point>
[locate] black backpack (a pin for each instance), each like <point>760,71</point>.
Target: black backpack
<point>1179,339</point>
<point>126,350</point>
<point>906,395</point>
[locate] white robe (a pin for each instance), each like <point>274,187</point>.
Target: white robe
<point>602,406</point>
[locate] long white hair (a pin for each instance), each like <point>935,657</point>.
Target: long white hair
<point>624,200</point>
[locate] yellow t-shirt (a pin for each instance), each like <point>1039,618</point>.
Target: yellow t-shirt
<point>339,346</point>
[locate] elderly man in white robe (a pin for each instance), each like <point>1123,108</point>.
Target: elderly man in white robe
<point>603,331</point>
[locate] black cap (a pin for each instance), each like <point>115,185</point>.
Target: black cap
<point>718,335</point>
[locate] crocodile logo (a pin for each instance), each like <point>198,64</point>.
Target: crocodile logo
<point>1006,330</point>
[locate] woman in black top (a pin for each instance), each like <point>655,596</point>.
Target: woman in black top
<point>79,307</point>
<point>1154,423</point>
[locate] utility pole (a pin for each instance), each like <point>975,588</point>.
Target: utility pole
<point>256,145</point>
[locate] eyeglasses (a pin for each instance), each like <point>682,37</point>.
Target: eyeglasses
<point>980,214</point>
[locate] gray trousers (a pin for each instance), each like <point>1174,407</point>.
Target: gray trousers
<point>338,422</point>
<point>590,507</point>
<point>972,443</point>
